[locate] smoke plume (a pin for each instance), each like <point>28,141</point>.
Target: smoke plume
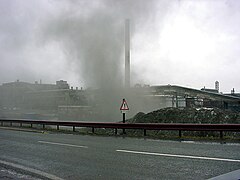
<point>92,37</point>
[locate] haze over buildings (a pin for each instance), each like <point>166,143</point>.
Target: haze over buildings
<point>188,43</point>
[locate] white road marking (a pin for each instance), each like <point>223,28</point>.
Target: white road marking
<point>62,144</point>
<point>178,156</point>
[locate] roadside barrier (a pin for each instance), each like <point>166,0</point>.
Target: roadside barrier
<point>142,126</point>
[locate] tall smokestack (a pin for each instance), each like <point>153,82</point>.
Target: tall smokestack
<point>127,53</point>
<point>217,86</point>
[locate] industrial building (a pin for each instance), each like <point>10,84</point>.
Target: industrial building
<point>59,101</point>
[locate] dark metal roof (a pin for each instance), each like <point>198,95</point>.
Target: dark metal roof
<point>189,92</point>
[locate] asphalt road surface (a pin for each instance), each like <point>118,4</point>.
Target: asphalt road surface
<point>70,156</point>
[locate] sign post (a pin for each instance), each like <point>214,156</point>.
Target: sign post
<point>124,108</point>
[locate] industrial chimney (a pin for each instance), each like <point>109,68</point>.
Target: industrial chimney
<point>217,86</point>
<point>127,53</point>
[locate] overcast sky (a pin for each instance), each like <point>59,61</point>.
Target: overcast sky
<point>186,43</point>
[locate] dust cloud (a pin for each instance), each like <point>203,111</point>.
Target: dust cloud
<point>93,38</point>
<point>93,42</point>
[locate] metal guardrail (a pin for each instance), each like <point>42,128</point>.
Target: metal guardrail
<point>144,126</point>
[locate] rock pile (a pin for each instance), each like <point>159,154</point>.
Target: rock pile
<point>187,115</point>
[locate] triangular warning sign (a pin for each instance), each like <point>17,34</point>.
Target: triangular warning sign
<point>124,106</point>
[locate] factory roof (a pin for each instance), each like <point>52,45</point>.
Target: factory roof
<point>190,92</point>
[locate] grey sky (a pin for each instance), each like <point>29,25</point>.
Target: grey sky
<point>188,43</point>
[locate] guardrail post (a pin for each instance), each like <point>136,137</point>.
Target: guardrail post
<point>115,131</point>
<point>43,126</point>
<point>180,133</point>
<point>144,132</point>
<point>20,124</point>
<point>93,130</point>
<point>221,134</point>
<point>73,128</point>
<point>57,127</point>
<point>31,125</point>
<point>10,123</point>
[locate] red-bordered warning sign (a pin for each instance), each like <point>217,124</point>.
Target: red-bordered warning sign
<point>124,106</point>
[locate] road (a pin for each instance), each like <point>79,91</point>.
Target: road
<point>71,156</point>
